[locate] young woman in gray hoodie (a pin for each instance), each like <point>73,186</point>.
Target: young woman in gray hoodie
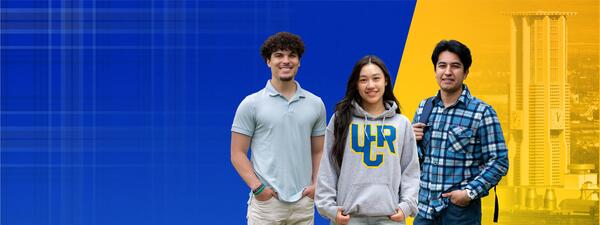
<point>369,172</point>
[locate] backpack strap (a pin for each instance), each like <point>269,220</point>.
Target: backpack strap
<point>496,208</point>
<point>427,108</point>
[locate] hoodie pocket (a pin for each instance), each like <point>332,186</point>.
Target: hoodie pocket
<point>459,139</point>
<point>371,199</point>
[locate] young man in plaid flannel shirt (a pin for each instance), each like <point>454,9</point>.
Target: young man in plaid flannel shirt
<point>461,147</point>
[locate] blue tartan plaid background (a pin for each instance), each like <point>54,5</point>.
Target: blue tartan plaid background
<point>119,112</point>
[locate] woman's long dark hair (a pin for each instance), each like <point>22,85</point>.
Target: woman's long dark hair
<point>343,109</point>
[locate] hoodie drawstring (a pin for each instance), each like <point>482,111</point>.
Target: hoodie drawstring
<point>365,130</point>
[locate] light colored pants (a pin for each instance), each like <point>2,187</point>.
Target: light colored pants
<point>275,212</point>
<point>379,220</point>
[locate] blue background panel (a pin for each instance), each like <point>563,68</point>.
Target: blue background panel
<point>119,112</point>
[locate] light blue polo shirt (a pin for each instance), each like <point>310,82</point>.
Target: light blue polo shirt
<point>281,131</point>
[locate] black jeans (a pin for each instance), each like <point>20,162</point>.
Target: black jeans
<point>455,215</point>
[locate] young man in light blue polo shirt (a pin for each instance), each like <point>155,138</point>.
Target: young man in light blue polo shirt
<point>284,125</point>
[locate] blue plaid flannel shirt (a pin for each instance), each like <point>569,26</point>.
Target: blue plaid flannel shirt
<point>464,149</point>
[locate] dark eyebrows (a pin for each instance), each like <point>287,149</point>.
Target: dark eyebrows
<point>452,63</point>
<point>374,75</point>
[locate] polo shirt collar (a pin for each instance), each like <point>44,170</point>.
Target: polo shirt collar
<point>273,92</point>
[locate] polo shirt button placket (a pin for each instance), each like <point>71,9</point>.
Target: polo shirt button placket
<point>290,106</point>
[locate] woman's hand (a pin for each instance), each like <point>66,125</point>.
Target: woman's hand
<point>398,217</point>
<point>342,219</point>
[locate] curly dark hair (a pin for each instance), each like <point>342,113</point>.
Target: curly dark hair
<point>282,41</point>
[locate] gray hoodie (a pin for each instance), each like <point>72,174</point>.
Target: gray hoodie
<point>380,169</point>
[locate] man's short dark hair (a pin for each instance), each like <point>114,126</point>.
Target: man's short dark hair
<point>455,47</point>
<point>282,41</point>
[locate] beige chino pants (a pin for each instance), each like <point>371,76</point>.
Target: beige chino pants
<point>275,212</point>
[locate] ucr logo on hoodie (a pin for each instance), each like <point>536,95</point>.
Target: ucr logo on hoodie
<point>366,143</point>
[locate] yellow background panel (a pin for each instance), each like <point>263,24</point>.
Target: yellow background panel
<point>544,185</point>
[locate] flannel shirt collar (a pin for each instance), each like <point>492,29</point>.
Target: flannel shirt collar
<point>465,97</point>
